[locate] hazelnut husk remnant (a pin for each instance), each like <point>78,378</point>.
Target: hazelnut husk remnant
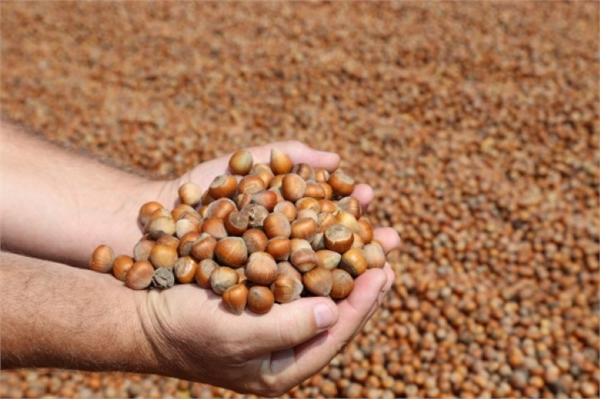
<point>270,233</point>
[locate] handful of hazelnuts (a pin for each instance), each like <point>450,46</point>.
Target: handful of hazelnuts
<point>265,233</point>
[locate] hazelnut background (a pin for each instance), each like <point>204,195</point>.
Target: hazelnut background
<point>476,124</point>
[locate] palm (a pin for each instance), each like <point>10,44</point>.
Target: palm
<point>276,350</point>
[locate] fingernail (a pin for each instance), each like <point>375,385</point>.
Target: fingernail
<point>324,316</point>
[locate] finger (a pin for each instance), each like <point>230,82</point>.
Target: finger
<point>388,238</point>
<point>297,151</point>
<point>364,194</point>
<point>311,356</point>
<point>285,326</point>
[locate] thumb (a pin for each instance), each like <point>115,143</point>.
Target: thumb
<point>288,325</point>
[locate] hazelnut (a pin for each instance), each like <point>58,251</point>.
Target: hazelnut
<point>231,251</point>
<point>305,171</point>
<point>277,225</point>
<point>215,227</point>
<point>163,255</point>
<point>185,269</point>
<point>223,186</point>
<point>260,299</point>
<point>163,278</point>
<point>147,210</point>
<point>305,228</point>
<point>374,255</point>
<point>354,262</point>
<point>121,266</point>
<point>140,275</point>
<point>328,259</point>
<point>256,214</point>
<point>261,268</point>
<point>286,288</point>
<point>190,193</point>
<point>142,249</point>
<point>163,225</point>
<point>338,238</point>
<point>241,162</point>
<point>102,259</point>
<point>251,184</point>
<point>293,187</point>
<point>266,198</point>
<point>280,162</point>
<point>343,284</point>
<point>235,298</point>
<point>286,208</point>
<point>185,226</point>
<point>350,205</point>
<point>341,183</point>
<point>222,278</point>
<point>255,240</point>
<point>220,208</point>
<point>318,281</point>
<point>203,247</point>
<point>186,242</point>
<point>304,259</point>
<point>279,247</point>
<point>236,223</point>
<point>203,272</point>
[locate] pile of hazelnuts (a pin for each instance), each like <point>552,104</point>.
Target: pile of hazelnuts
<point>265,233</point>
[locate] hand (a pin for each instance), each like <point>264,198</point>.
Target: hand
<point>195,338</point>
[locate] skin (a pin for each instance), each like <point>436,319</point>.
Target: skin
<point>58,206</point>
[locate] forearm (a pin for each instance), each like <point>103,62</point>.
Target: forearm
<point>56,316</point>
<point>58,205</point>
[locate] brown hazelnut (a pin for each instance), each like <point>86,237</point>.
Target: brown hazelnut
<point>203,247</point>
<point>261,268</point>
<point>293,187</point>
<point>102,259</point>
<point>338,238</point>
<point>235,298</point>
<point>222,278</point>
<point>266,198</point>
<point>140,275</point>
<point>328,259</point>
<point>304,259</point>
<point>121,266</point>
<point>231,251</point>
<point>223,186</point>
<point>251,184</point>
<point>185,269</point>
<point>279,247</point>
<point>163,255</point>
<point>374,255</point>
<point>164,225</point>
<point>203,272</point>
<point>187,241</point>
<point>236,223</point>
<point>277,225</point>
<point>286,208</point>
<point>142,249</point>
<point>341,183</point>
<point>280,162</point>
<point>354,262</point>
<point>241,162</point>
<point>256,214</point>
<point>215,227</point>
<point>220,208</point>
<point>286,288</point>
<point>147,210</point>
<point>255,240</point>
<point>305,228</point>
<point>318,281</point>
<point>260,299</point>
<point>190,193</point>
<point>343,284</point>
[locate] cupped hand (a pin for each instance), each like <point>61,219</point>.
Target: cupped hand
<point>194,337</point>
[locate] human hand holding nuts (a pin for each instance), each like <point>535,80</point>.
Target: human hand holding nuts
<point>259,242</point>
